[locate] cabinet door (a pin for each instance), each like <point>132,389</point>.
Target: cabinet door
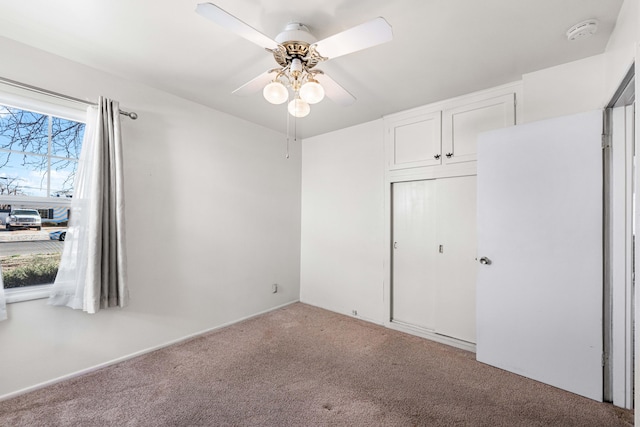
<point>415,142</point>
<point>456,265</point>
<point>462,125</point>
<point>414,254</point>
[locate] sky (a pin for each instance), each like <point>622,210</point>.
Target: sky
<point>24,146</point>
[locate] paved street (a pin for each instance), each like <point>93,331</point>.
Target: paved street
<point>26,234</point>
<point>30,247</point>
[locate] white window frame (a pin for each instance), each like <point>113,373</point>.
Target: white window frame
<point>47,105</point>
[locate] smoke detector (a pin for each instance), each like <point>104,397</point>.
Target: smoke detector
<point>582,30</point>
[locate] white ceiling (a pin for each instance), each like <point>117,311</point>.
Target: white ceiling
<point>441,48</point>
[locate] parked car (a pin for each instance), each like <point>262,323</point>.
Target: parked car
<point>58,235</point>
<point>23,218</point>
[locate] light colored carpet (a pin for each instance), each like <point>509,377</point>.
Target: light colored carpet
<point>303,366</point>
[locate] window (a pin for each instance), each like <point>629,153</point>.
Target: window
<point>39,149</point>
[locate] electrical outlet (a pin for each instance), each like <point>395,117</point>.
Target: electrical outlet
<point>274,288</point>
<point>354,312</point>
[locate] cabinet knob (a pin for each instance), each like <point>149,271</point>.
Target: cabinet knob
<point>449,155</point>
<point>485,261</point>
<point>437,156</point>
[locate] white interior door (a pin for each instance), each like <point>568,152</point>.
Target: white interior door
<point>414,239</point>
<point>539,301</point>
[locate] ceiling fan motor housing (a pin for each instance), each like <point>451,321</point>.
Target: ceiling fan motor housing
<point>295,31</point>
<point>296,42</point>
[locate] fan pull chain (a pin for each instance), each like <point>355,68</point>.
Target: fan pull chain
<point>295,129</point>
<point>287,112</point>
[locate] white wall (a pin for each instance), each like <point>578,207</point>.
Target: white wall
<point>342,248</point>
<point>343,179</point>
<point>343,210</point>
<point>570,88</point>
<point>587,84</point>
<point>621,49</point>
<point>213,219</point>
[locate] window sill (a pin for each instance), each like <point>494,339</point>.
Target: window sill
<point>27,293</point>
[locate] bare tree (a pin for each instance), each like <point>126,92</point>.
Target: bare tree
<point>10,186</point>
<point>26,134</point>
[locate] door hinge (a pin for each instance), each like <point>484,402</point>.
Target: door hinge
<point>604,359</point>
<point>605,142</point>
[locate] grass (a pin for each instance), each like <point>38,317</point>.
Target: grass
<point>27,270</point>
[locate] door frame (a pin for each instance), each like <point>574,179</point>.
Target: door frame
<point>619,177</point>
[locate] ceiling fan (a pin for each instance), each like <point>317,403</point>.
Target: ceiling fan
<point>297,53</point>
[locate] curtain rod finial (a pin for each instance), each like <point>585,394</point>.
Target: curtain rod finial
<point>132,115</point>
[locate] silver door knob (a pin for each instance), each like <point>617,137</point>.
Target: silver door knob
<point>485,261</point>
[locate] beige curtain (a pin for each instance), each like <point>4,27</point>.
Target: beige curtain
<point>92,272</point>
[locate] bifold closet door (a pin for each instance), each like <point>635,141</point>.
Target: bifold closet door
<point>414,240</point>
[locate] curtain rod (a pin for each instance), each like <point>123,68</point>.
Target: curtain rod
<point>132,115</point>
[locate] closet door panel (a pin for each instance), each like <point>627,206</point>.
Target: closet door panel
<point>456,266</point>
<point>414,240</point>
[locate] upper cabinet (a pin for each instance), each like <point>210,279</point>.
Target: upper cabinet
<point>463,124</point>
<point>440,139</point>
<point>415,141</point>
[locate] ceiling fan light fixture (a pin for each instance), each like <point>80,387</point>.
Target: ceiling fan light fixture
<point>275,92</point>
<point>299,108</point>
<point>312,92</point>
<point>297,52</point>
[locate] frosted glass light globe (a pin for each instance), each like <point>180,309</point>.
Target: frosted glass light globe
<point>312,92</point>
<point>299,108</point>
<point>275,93</point>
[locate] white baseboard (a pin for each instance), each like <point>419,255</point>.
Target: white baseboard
<point>425,333</point>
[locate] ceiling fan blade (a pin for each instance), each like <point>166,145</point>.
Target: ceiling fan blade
<point>334,91</point>
<point>230,22</point>
<point>256,84</point>
<point>369,34</point>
